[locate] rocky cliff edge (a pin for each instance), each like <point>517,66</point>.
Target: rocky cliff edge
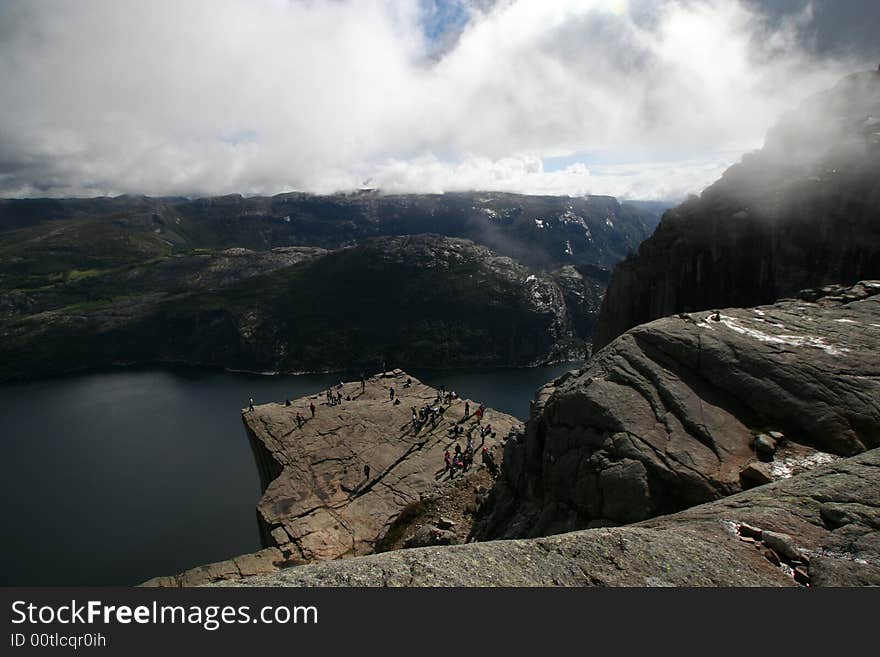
<point>692,408</point>
<point>820,528</point>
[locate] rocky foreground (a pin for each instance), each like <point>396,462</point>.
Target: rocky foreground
<point>820,528</point>
<point>321,503</point>
<point>695,407</point>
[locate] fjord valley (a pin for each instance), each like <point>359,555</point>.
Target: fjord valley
<point>731,441</point>
<point>298,282</point>
<point>720,426</point>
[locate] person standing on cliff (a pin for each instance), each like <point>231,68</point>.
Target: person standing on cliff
<point>312,408</point>
<point>467,410</point>
<point>367,470</point>
<point>391,393</point>
<point>363,382</point>
<point>251,404</point>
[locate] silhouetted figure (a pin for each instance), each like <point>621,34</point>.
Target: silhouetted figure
<point>489,462</point>
<point>312,408</point>
<point>251,404</point>
<point>367,470</point>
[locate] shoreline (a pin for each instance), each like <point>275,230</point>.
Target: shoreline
<point>185,365</point>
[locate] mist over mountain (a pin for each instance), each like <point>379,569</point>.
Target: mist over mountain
<point>630,98</point>
<point>802,212</point>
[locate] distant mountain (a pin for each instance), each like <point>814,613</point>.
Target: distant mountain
<point>306,282</point>
<point>420,301</point>
<point>803,212</point>
<point>544,232</point>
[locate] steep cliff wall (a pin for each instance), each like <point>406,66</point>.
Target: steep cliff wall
<point>802,212</point>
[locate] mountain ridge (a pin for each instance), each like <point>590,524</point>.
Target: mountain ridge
<point>802,212</point>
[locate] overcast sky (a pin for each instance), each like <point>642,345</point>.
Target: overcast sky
<point>647,99</point>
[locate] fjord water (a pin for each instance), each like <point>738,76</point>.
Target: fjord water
<point>111,478</point>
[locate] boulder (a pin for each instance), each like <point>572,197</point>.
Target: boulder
<point>665,417</point>
<point>782,544</point>
<point>445,523</point>
<point>765,447</point>
<point>429,535</point>
<point>771,556</point>
<point>755,474</point>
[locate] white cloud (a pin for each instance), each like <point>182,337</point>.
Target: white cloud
<point>524,174</point>
<point>262,96</point>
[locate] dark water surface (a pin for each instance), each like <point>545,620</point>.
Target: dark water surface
<point>111,478</point>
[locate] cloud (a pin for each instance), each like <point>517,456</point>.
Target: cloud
<point>262,96</point>
<point>524,174</point>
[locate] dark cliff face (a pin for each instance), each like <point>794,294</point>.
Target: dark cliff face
<point>672,413</point>
<point>425,301</point>
<point>802,212</point>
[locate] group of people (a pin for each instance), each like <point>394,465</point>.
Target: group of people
<point>459,460</point>
<point>462,459</point>
<point>426,415</point>
<point>335,398</point>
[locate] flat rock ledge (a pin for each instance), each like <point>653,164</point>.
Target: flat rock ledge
<point>819,528</point>
<point>319,502</point>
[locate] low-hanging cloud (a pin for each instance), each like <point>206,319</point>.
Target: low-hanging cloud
<point>262,96</point>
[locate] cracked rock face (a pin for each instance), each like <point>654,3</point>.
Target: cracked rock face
<point>826,520</point>
<point>666,416</point>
